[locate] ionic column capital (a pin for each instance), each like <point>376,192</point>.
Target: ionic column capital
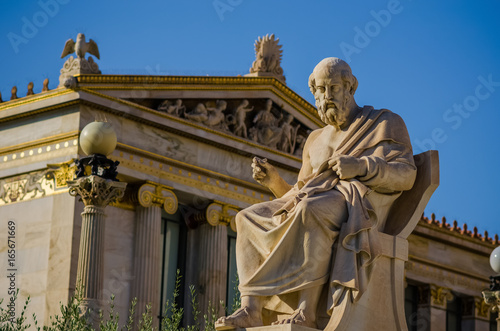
<point>218,212</point>
<point>150,194</point>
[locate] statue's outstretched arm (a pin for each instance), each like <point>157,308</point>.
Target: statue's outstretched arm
<point>267,175</point>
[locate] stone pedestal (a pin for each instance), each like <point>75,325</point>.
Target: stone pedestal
<point>76,66</point>
<point>96,193</point>
<point>285,327</point>
<point>147,253</point>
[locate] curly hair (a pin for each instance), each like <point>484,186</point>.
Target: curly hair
<point>332,66</point>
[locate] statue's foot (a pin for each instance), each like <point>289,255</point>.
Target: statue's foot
<point>242,318</point>
<point>298,317</point>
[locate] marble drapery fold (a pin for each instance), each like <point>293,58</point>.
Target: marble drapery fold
<point>288,243</point>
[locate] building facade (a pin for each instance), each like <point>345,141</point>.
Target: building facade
<point>185,144</point>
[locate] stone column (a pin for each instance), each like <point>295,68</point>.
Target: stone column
<point>475,314</point>
<point>147,252</point>
<point>96,193</point>
<point>213,254</point>
<point>432,307</point>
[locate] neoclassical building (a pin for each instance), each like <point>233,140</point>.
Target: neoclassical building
<point>185,145</point>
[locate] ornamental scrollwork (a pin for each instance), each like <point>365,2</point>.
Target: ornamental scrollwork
<point>150,194</point>
<point>96,191</point>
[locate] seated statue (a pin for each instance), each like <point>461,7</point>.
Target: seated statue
<point>353,170</point>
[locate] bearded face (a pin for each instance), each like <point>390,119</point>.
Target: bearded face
<point>331,100</point>
<point>331,112</point>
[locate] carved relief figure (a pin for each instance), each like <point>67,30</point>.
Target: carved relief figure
<point>240,128</point>
<point>3,191</point>
<point>216,117</point>
<point>353,169</point>
<point>266,130</point>
<point>301,140</point>
<point>175,109</point>
<point>198,114</point>
<point>288,135</point>
<point>33,184</point>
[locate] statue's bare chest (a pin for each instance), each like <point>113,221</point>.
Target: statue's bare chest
<point>324,146</point>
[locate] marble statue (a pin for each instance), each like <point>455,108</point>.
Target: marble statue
<point>240,128</point>
<point>80,47</point>
<point>266,129</point>
<point>288,135</point>
<point>353,169</point>
<point>267,58</point>
<point>170,108</point>
<point>198,114</point>
<point>215,116</point>
<point>301,141</point>
<point>80,65</point>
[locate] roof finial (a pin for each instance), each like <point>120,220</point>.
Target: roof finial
<point>267,58</point>
<point>45,87</point>
<point>13,92</point>
<point>80,65</point>
<point>30,88</point>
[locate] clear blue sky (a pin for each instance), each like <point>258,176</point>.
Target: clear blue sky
<point>436,63</point>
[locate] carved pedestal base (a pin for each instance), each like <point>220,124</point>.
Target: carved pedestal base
<point>77,66</point>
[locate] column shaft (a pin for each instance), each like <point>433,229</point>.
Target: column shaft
<point>147,260</point>
<point>90,257</point>
<point>212,265</point>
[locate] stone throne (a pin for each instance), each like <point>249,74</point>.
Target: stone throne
<point>381,307</point>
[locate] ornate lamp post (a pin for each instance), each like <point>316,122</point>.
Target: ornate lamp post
<point>492,297</point>
<point>96,190</point>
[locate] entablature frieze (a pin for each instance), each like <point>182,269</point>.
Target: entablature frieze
<point>429,272</point>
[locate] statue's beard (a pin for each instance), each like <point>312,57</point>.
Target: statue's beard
<point>332,113</point>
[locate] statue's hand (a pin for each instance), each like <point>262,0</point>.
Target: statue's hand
<point>347,166</point>
<point>264,173</point>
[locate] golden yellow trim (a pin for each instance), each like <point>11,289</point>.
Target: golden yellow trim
<point>39,110</point>
<point>189,80</point>
<point>39,142</point>
<point>123,205</point>
<point>190,167</point>
<point>311,112</point>
<point>194,125</point>
<point>34,98</point>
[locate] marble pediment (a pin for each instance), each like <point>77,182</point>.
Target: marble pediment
<point>250,113</point>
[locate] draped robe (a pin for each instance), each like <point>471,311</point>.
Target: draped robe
<point>287,245</point>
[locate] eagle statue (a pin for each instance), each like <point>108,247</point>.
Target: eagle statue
<point>80,47</point>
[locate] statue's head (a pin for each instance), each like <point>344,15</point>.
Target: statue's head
<point>221,104</point>
<point>269,104</point>
<point>80,36</point>
<point>333,86</point>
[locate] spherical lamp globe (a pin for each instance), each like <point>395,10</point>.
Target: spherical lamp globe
<point>495,260</point>
<point>98,138</point>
